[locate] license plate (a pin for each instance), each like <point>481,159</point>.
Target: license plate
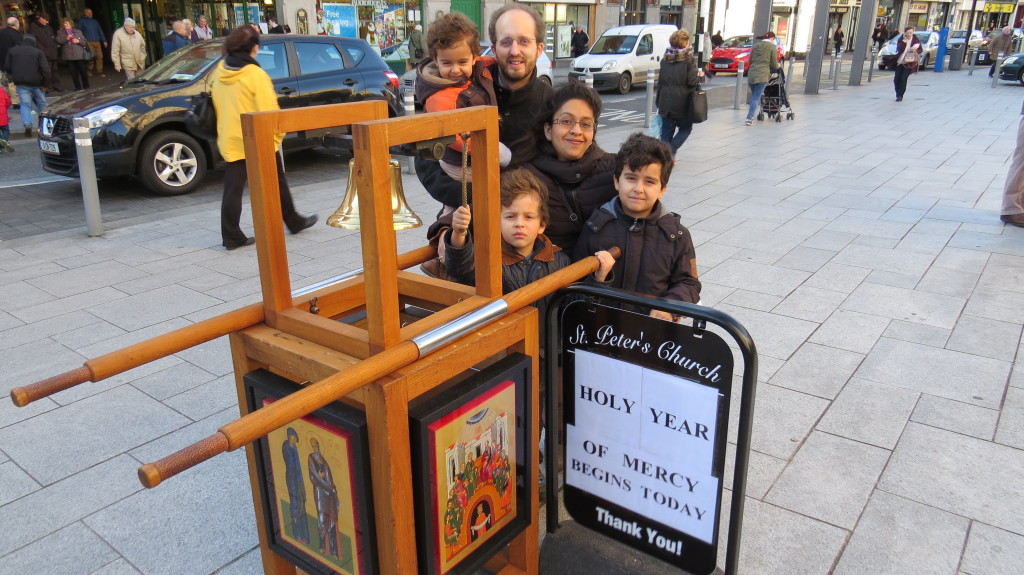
<point>719,66</point>
<point>49,147</point>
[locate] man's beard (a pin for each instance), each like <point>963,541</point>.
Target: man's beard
<point>515,77</point>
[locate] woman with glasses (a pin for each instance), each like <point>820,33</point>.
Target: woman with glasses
<point>575,170</point>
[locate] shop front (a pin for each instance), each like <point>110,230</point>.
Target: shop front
<point>561,20</point>
<point>382,24</point>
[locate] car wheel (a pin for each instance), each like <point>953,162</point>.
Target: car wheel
<point>1020,77</point>
<point>625,83</point>
<point>172,163</point>
<point>546,80</point>
<point>924,62</point>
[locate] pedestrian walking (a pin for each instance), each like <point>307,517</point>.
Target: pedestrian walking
<point>880,36</point>
<point>46,40</point>
<point>837,40</point>
<point>5,122</point>
<point>417,47</point>
<point>10,36</point>
<point>72,44</point>
<point>716,40</point>
<point>764,59</point>
<point>96,38</point>
<point>909,49</point>
<point>240,86</point>
<point>1013,192</point>
<point>580,41</point>
<point>999,43</point>
<point>29,69</point>
<point>678,77</point>
<point>128,50</point>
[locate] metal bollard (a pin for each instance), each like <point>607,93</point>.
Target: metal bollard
<point>789,71</point>
<point>649,110</point>
<point>835,79</point>
<point>410,110</point>
<point>831,65</point>
<point>739,83</point>
<point>87,173</point>
<point>871,67</point>
<point>590,80</point>
<point>999,69</point>
<point>974,60</point>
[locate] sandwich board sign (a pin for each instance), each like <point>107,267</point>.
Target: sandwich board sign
<point>645,406</point>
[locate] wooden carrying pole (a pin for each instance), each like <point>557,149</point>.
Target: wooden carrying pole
<point>312,397</point>
<point>115,362</point>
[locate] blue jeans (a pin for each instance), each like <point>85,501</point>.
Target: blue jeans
<point>30,95</point>
<point>681,127</point>
<point>756,90</point>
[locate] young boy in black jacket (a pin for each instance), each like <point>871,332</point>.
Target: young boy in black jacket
<point>658,257</point>
<point>526,253</point>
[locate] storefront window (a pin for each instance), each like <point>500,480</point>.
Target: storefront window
<point>382,24</point>
<point>561,20</point>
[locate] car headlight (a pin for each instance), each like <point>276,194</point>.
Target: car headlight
<point>106,116</point>
<point>1010,60</point>
<point>610,65</point>
<point>742,55</point>
<point>572,63</point>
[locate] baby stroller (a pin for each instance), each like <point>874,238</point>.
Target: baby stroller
<point>774,101</point>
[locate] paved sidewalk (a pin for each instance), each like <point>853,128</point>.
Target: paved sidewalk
<point>860,245</point>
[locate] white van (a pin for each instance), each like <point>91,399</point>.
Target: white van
<point>622,56</point>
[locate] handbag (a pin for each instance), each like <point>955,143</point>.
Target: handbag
<point>201,120</point>
<point>698,105</point>
<point>87,54</point>
<point>12,91</point>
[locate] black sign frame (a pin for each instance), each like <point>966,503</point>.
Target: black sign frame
<point>698,556</point>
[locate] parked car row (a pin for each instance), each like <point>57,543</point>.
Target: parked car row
<point>138,129</point>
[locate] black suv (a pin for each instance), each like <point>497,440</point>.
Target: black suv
<point>138,128</point>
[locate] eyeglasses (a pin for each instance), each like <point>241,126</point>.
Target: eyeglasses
<point>523,42</point>
<point>585,125</point>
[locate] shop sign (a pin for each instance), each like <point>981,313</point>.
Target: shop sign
<point>918,7</point>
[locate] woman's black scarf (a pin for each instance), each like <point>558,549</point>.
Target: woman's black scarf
<point>239,59</point>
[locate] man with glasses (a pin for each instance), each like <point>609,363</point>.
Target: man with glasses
<point>517,32</point>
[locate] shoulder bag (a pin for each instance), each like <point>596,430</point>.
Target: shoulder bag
<point>87,54</point>
<point>202,118</point>
<point>698,105</point>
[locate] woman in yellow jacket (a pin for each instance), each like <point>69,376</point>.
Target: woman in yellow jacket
<point>238,87</point>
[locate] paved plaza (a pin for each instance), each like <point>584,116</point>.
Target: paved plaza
<point>860,244</point>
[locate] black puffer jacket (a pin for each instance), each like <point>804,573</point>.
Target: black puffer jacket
<point>575,189</point>
<point>26,64</point>
<point>658,257</point>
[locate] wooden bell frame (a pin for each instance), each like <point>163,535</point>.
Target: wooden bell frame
<point>304,346</point>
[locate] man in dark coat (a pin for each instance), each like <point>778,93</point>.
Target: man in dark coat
<point>10,37</point>
<point>28,68</point>
<point>580,41</point>
<point>716,40</point>
<point>46,40</point>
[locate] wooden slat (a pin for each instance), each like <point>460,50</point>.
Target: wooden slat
<point>322,330</point>
<point>273,564</point>
<point>373,180</point>
<point>300,357</point>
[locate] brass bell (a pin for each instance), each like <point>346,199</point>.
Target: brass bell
<point>347,214</point>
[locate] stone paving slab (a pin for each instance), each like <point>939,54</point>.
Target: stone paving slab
<point>879,286</point>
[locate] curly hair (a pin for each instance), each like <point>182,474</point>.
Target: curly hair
<point>518,183</point>
<point>449,30</point>
<point>574,90</point>
<point>641,150</point>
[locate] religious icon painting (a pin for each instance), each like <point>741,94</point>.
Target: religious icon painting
<point>314,482</point>
<point>471,462</point>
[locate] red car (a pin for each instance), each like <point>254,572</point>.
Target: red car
<point>726,57</point>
